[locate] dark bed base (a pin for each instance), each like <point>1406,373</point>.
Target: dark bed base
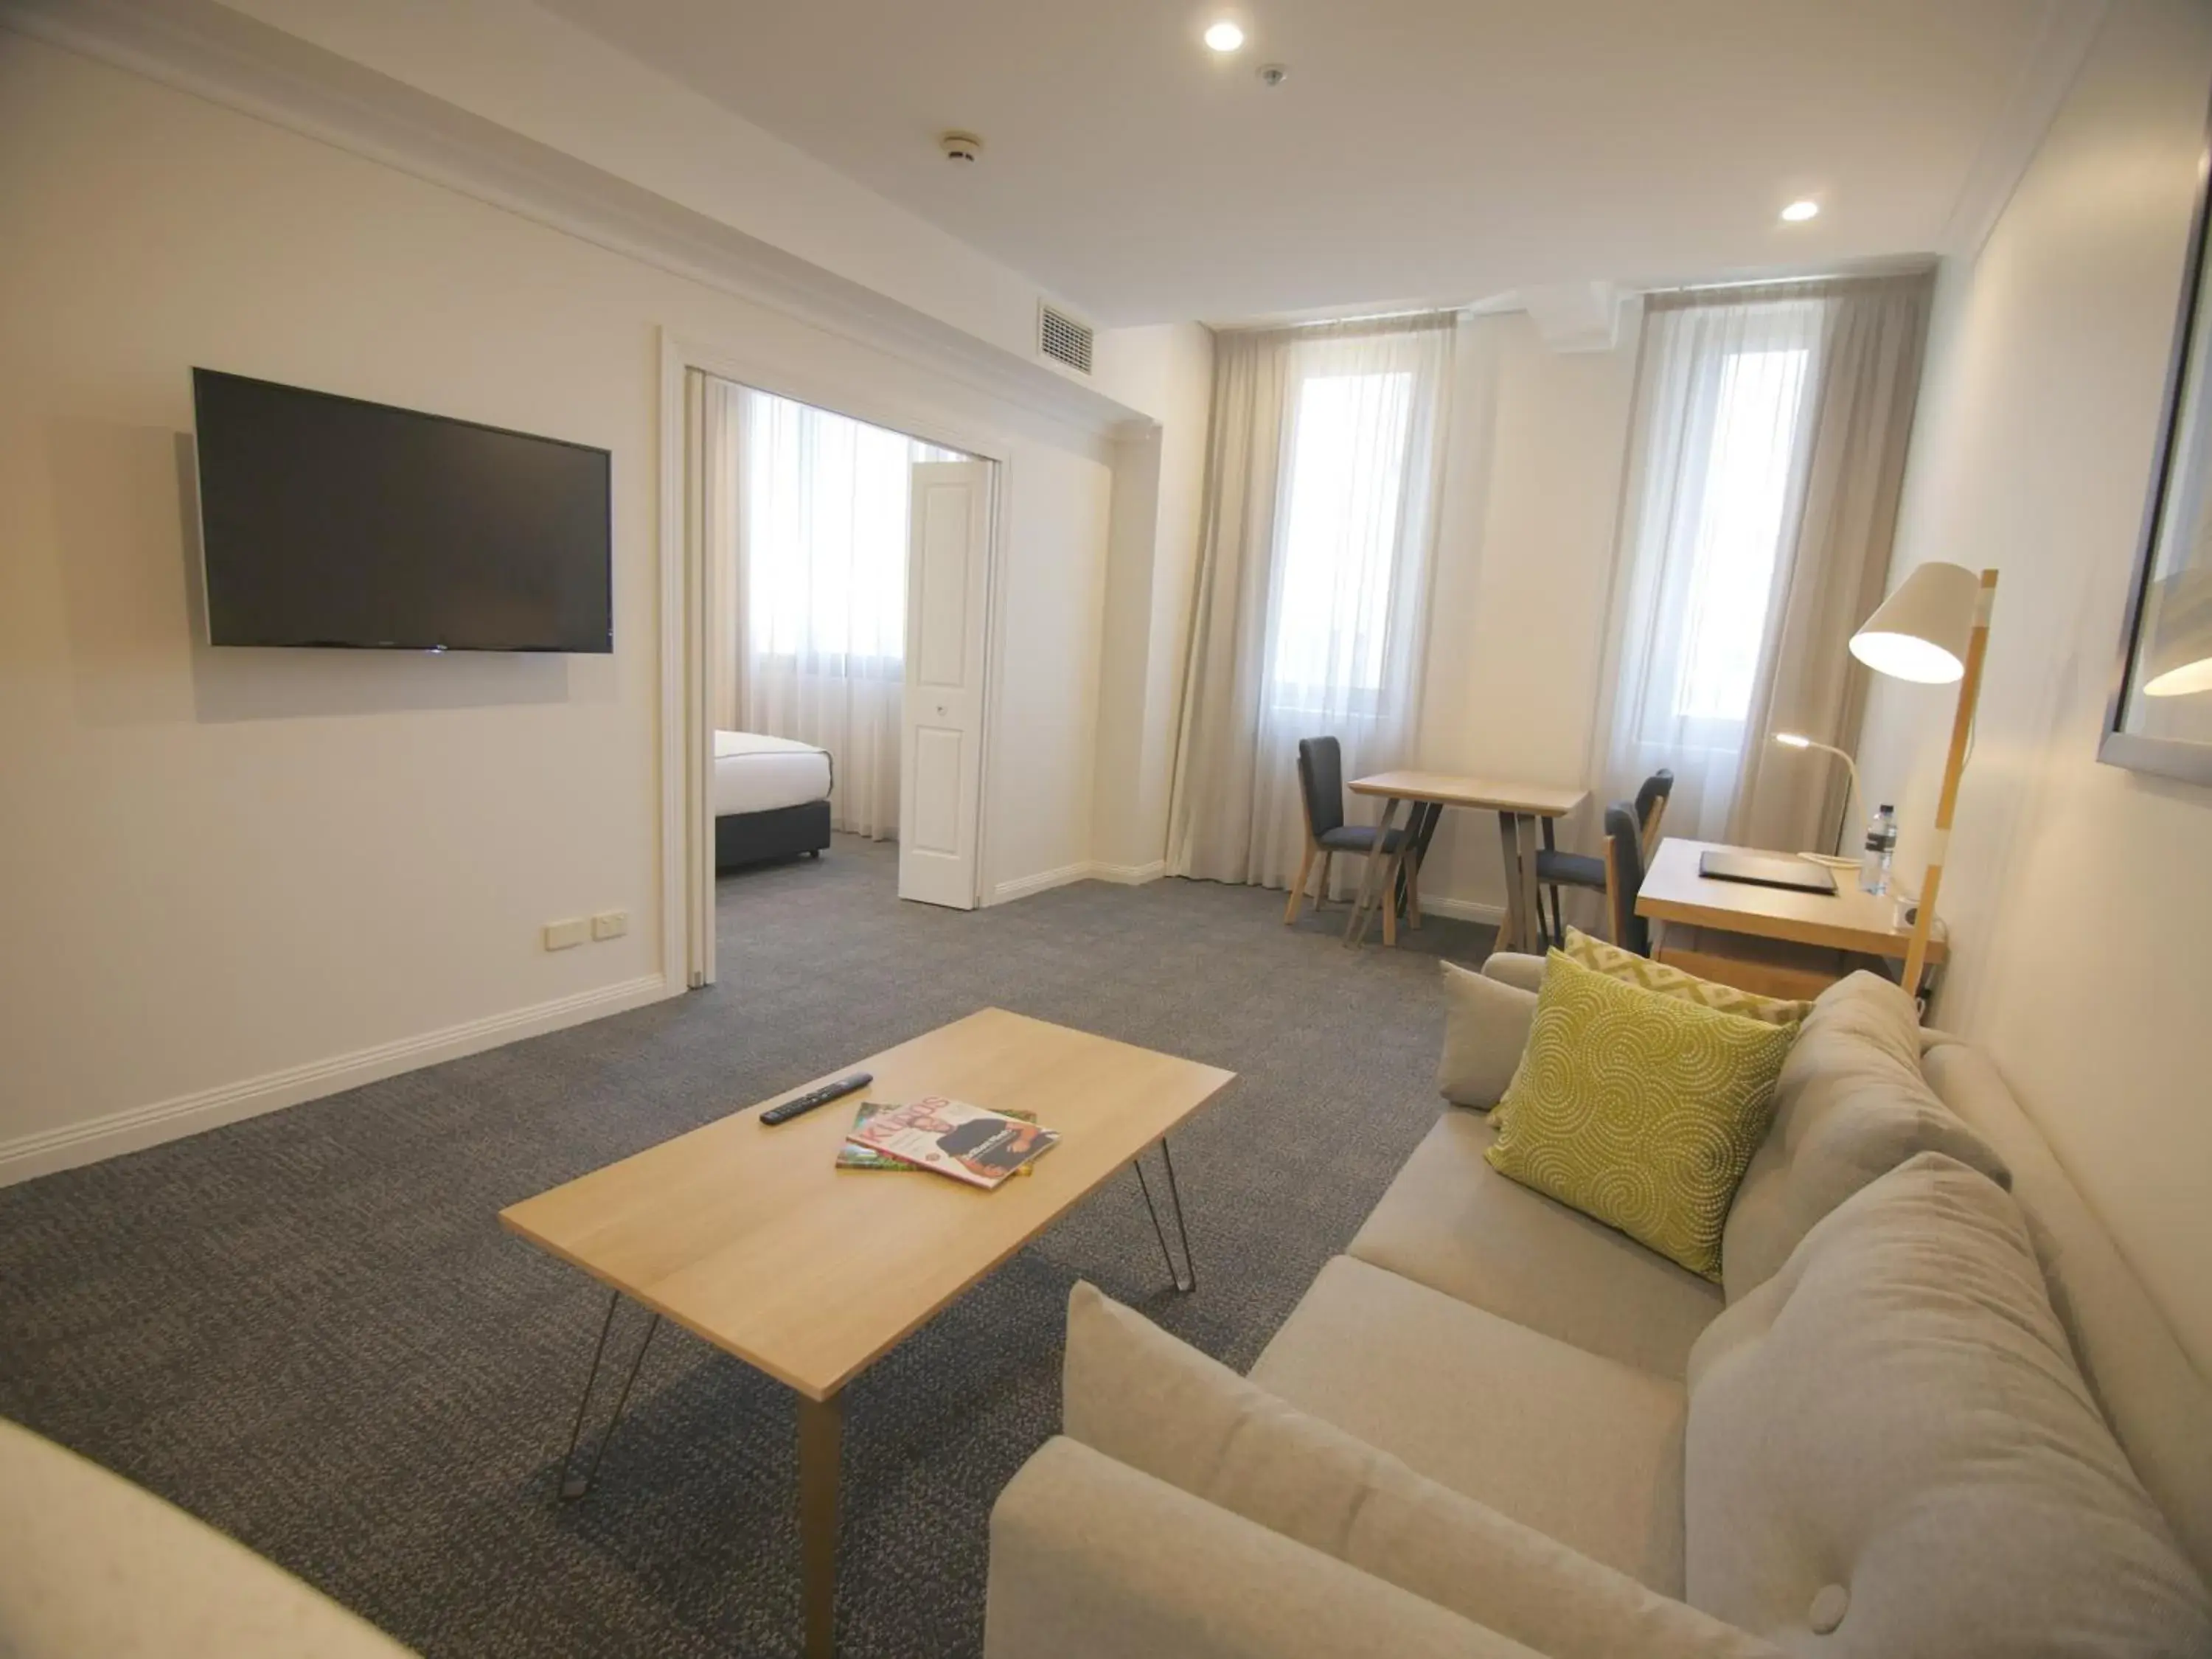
<point>746,838</point>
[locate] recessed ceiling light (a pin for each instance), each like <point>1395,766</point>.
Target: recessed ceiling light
<point>1224,37</point>
<point>1798,212</point>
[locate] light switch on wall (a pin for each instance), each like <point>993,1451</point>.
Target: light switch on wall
<point>561,935</point>
<point>611,924</point>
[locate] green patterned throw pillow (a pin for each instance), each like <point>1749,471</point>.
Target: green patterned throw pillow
<point>1616,964</point>
<point>1639,1109</point>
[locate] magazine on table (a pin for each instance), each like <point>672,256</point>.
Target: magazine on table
<point>852,1155</point>
<point>967,1143</point>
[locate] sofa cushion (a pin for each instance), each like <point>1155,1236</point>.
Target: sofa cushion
<point>1850,1105</point>
<point>1485,1027</point>
<point>1090,1556</point>
<point>1452,1222</point>
<point>1891,1453</point>
<point>1639,1108</point>
<point>1626,965</point>
<point>1148,1400</point>
<point>1583,1448</point>
<point>2159,1404</point>
<point>90,1563</point>
<point>1515,968</point>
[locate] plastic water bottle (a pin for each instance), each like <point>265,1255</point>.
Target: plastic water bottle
<point>1881,845</point>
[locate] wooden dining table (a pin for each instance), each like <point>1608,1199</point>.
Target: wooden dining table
<point>1520,807</point>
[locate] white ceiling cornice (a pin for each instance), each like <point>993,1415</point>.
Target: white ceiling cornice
<point>2061,48</point>
<point>215,53</point>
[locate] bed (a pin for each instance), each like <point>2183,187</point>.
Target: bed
<point>771,798</point>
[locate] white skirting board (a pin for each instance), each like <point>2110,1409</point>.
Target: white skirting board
<point>1124,875</point>
<point>1130,875</point>
<point>1027,884</point>
<point>140,1126</point>
<point>1459,909</point>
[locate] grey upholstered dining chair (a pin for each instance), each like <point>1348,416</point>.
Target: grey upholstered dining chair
<point>1624,879</point>
<point>1320,787</point>
<point>1555,869</point>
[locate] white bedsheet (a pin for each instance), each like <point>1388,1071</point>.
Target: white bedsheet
<point>756,773</point>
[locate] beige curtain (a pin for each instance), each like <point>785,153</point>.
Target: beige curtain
<point>1837,566</point>
<point>1312,589</point>
<point>1771,429</point>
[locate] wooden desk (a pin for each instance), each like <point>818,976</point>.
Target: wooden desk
<point>752,1239</point>
<point>1519,807</point>
<point>1846,920</point>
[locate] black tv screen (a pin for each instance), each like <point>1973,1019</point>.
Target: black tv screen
<point>329,521</point>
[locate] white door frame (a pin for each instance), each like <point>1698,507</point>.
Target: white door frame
<point>687,726</point>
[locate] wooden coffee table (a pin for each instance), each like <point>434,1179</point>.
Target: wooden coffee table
<point>751,1238</point>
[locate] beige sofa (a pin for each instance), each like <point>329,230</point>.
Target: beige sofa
<point>1928,1412</point>
<point>93,1565</point>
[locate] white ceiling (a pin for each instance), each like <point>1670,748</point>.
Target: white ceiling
<point>1421,150</point>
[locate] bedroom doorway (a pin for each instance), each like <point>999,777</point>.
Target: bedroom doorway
<point>843,593</point>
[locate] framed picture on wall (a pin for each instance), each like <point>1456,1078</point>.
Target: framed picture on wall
<point>2159,717</point>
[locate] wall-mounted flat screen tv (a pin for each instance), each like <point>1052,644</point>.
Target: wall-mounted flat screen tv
<point>329,521</point>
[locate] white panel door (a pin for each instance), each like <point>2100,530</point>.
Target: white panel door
<point>941,731</point>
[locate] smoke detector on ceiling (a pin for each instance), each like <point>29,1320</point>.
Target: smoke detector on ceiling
<point>960,146</point>
<point>1273,74</point>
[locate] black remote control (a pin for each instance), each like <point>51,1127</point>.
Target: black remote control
<point>821,1096</point>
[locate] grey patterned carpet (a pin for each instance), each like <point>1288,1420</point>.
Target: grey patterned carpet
<point>308,1329</point>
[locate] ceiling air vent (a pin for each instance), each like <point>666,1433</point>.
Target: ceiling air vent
<point>1063,339</point>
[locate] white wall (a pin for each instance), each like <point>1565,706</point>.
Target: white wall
<point>1524,563</point>
<point>539,75</point>
<point>1524,559</point>
<point>1159,477</point>
<point>235,878</point>
<point>2079,895</point>
<point>1045,710</point>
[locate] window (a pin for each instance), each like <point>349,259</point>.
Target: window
<point>1343,493</point>
<point>1739,527</point>
<point>826,504</point>
<point>1760,481</point>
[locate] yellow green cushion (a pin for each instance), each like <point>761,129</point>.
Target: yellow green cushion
<point>1639,1109</point>
<point>1616,964</point>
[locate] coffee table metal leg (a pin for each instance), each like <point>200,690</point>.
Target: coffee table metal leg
<point>572,1486</point>
<point>1184,1282</point>
<point>821,1440</point>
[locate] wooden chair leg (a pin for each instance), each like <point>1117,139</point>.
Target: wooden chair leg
<point>1412,891</point>
<point>1320,888</point>
<point>1298,887</point>
<point>1389,899</point>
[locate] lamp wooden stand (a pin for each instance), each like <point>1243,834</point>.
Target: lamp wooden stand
<point>1962,728</point>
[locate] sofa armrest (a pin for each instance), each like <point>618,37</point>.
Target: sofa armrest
<point>90,1563</point>
<point>1091,1559</point>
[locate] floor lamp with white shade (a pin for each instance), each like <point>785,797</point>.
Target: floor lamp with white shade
<point>1935,629</point>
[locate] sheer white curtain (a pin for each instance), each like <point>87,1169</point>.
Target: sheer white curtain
<point>819,554</point>
<point>1313,581</point>
<point>1762,497</point>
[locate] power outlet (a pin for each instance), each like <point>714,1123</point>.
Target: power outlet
<point>611,924</point>
<point>566,935</point>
